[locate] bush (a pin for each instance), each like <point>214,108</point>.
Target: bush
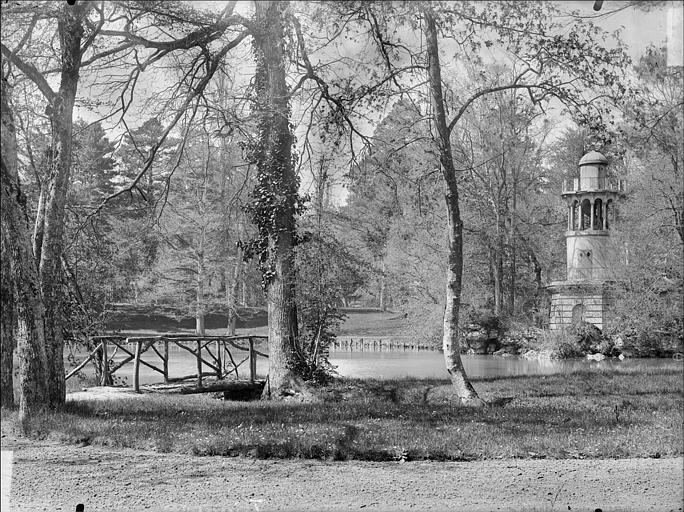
<point>634,342</point>
<point>559,345</point>
<point>485,319</point>
<point>586,336</point>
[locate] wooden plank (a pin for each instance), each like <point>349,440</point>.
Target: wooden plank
<point>199,364</point>
<point>210,365</point>
<point>232,361</point>
<point>230,385</point>
<point>105,365</point>
<point>122,347</point>
<point>219,361</point>
<point>152,367</point>
<point>208,350</point>
<point>216,364</point>
<point>252,361</point>
<point>156,351</point>
<point>184,347</point>
<point>191,376</point>
<point>107,338</point>
<point>85,361</point>
<point>118,365</point>
<point>136,366</point>
<point>166,360</point>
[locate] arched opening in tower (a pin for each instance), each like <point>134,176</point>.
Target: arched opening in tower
<point>577,314</point>
<point>575,215</point>
<point>598,214</point>
<point>586,214</point>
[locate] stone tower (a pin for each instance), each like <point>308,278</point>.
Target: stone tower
<point>591,200</point>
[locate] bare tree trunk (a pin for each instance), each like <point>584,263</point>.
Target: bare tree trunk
<point>278,176</point>
<point>383,285</point>
<point>233,292</point>
<point>513,251</point>
<point>199,311</point>
<point>498,270</point>
<point>7,325</point>
<point>61,116</point>
<point>22,268</point>
<point>451,342</point>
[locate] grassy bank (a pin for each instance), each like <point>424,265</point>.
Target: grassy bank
<point>597,414</point>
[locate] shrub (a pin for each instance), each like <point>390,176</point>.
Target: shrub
<point>586,336</point>
<point>485,319</point>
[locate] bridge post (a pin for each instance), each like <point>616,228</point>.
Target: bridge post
<point>136,366</point>
<point>219,360</point>
<point>252,360</point>
<point>199,363</point>
<point>166,361</point>
<point>105,364</point>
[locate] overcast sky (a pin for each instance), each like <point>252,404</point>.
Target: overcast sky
<point>639,28</point>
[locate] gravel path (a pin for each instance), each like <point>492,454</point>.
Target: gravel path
<point>48,476</point>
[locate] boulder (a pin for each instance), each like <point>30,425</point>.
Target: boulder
<point>596,357</point>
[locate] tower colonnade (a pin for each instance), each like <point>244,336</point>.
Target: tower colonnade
<point>591,199</point>
<point>597,212</point>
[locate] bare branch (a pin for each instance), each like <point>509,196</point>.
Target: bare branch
<point>31,73</point>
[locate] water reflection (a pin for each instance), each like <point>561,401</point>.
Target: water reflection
<point>390,365</point>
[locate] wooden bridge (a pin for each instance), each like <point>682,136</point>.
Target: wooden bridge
<point>222,361</point>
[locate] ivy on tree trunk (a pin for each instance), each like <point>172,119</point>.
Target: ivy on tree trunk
<point>275,199</point>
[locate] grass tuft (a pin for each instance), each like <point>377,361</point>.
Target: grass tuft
<point>611,413</point>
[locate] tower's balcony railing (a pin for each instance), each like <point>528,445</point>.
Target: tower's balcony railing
<point>594,184</point>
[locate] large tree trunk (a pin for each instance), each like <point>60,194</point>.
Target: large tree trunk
<point>7,324</point>
<point>277,176</point>
<point>39,225</point>
<point>61,117</point>
<point>451,342</point>
<point>22,267</point>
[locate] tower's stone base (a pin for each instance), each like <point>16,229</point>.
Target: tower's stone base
<point>572,302</point>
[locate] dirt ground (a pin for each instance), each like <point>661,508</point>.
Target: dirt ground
<point>49,476</point>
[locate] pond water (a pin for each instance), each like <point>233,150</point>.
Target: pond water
<point>389,365</point>
<point>396,364</point>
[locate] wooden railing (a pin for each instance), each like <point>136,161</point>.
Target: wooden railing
<point>594,184</point>
<point>222,361</point>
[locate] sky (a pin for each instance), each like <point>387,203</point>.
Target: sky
<point>639,29</point>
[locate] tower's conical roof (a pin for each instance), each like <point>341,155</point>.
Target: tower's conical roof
<point>593,157</point>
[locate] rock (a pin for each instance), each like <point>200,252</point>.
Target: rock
<point>479,335</point>
<point>540,355</point>
<point>596,357</point>
<point>507,350</point>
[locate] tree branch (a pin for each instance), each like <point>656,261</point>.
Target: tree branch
<point>31,73</point>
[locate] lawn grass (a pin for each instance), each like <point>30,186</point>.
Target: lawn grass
<point>381,324</point>
<point>615,413</point>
